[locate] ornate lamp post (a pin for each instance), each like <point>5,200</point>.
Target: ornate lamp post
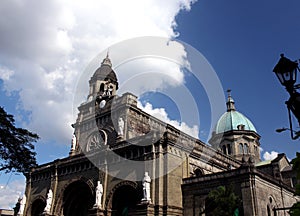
<point>286,72</point>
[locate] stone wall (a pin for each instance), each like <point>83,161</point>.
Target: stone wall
<point>256,189</point>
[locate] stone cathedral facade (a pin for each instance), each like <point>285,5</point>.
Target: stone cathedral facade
<point>116,145</point>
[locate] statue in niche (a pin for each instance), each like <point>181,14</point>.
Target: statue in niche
<point>120,127</point>
<point>22,205</point>
<point>99,193</point>
<point>110,90</point>
<point>106,89</point>
<point>74,140</point>
<point>146,188</point>
<point>48,201</point>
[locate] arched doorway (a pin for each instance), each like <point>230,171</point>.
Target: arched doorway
<point>124,201</point>
<point>77,200</point>
<point>37,207</point>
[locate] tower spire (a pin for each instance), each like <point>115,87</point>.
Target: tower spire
<point>230,101</point>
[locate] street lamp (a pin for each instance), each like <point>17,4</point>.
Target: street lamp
<point>286,72</point>
<point>294,134</point>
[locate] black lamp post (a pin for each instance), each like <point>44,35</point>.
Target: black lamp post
<point>286,71</point>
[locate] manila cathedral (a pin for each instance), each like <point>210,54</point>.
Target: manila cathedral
<point>123,161</point>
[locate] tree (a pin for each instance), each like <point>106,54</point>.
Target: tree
<point>222,201</point>
<point>17,207</point>
<point>16,146</point>
<point>295,210</point>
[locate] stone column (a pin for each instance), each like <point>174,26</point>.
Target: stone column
<point>143,209</point>
<point>27,191</point>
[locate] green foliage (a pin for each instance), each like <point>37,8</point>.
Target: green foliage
<point>295,210</point>
<point>16,145</point>
<point>296,165</point>
<point>222,201</point>
<point>17,208</point>
<point>297,189</point>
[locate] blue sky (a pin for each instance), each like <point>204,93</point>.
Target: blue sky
<point>242,40</point>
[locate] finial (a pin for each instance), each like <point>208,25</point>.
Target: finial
<point>230,101</point>
<point>229,92</point>
<point>106,60</point>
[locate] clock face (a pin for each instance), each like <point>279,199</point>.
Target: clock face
<point>90,98</point>
<point>102,103</point>
<point>96,140</point>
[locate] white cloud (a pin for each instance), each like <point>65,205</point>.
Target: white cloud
<point>10,193</point>
<point>270,156</point>
<point>161,114</point>
<point>149,74</point>
<point>45,45</point>
<point>5,73</point>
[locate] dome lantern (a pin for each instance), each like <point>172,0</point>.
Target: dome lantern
<point>230,102</point>
<point>106,61</point>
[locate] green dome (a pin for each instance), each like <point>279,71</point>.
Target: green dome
<point>230,121</point>
<point>232,118</point>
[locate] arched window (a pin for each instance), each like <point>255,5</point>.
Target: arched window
<point>198,172</point>
<point>229,151</point>
<point>271,206</point>
<point>246,149</point>
<point>241,149</point>
<point>294,182</point>
<point>102,87</point>
<point>224,149</point>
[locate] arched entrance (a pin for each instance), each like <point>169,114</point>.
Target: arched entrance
<point>77,200</point>
<point>37,207</point>
<point>124,201</point>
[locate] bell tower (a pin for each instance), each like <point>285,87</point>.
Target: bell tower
<point>94,123</point>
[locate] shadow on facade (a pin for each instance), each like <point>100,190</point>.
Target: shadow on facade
<point>124,201</point>
<point>78,199</point>
<point>37,207</point>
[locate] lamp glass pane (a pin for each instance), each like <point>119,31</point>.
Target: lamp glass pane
<point>280,77</point>
<point>287,76</point>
